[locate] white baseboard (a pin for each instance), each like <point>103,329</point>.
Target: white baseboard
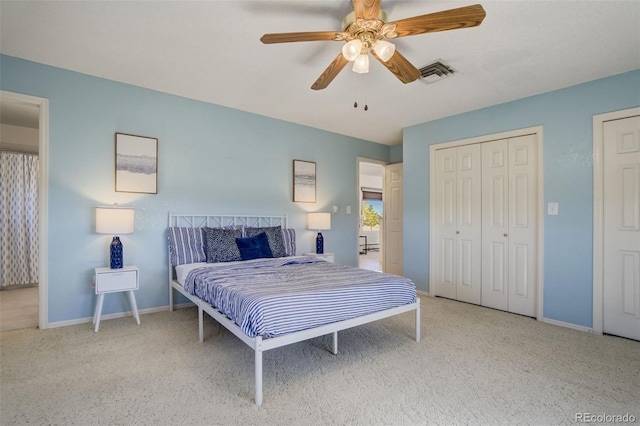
<point>118,315</point>
<point>569,325</point>
<point>423,293</point>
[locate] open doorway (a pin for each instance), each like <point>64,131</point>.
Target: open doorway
<point>371,214</point>
<point>24,149</point>
<point>19,146</point>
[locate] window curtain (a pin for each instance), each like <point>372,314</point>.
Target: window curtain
<point>18,219</point>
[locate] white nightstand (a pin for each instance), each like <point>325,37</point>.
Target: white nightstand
<point>109,280</point>
<point>329,257</point>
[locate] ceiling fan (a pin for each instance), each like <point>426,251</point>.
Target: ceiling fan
<point>364,31</point>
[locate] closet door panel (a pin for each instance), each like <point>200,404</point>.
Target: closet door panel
<point>520,277</point>
<point>496,268</point>
<point>469,223</point>
<point>495,226</point>
<point>446,218</point>
<point>523,164</point>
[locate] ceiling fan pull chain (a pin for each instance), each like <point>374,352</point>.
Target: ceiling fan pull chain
<point>366,92</point>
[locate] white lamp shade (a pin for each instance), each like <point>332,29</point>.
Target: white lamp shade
<point>319,221</point>
<point>384,49</point>
<point>352,49</point>
<point>361,64</point>
<point>114,220</point>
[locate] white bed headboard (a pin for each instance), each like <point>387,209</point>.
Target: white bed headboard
<point>217,221</point>
<point>220,221</point>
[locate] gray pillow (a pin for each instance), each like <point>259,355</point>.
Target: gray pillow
<point>274,235</point>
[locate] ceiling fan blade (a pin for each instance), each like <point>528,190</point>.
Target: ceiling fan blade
<point>400,66</point>
<point>293,37</point>
<point>462,17</point>
<point>330,73</point>
<point>366,9</point>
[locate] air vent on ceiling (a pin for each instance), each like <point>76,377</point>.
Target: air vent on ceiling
<point>436,71</point>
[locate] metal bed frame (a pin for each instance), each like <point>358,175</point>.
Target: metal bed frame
<point>258,344</point>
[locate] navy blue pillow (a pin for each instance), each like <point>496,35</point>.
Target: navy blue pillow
<point>254,247</point>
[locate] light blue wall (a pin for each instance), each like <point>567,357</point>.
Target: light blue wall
<point>211,159</point>
<point>395,154</point>
<point>566,116</point>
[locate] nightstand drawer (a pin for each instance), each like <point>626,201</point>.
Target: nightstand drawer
<point>116,281</point>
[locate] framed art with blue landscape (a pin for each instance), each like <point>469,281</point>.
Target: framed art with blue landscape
<point>304,181</point>
<point>136,164</point>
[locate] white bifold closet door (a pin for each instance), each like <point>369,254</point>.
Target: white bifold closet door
<point>458,215</point>
<point>486,218</point>
<point>509,219</point>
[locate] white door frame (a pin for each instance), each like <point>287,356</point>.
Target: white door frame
<point>598,211</point>
<point>537,130</point>
<point>43,198</point>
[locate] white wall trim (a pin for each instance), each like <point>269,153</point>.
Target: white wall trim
<point>567,325</point>
<point>119,315</point>
<point>598,211</point>
<point>536,130</point>
<point>43,199</point>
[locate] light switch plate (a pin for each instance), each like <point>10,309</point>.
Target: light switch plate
<point>552,209</point>
<point>348,209</point>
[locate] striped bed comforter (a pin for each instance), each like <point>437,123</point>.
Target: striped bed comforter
<point>272,297</point>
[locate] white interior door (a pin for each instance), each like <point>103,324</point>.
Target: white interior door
<point>446,223</point>
<point>621,254</point>
<point>522,224</point>
<point>392,238</point>
<point>458,217</point>
<point>469,227</point>
<point>509,224</point>
<point>495,224</point>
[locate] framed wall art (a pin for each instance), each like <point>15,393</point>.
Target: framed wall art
<point>304,181</point>
<point>136,164</point>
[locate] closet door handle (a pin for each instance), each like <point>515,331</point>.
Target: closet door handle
<point>505,234</point>
<point>457,232</point>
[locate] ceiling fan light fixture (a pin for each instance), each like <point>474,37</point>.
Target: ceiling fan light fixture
<point>384,49</point>
<point>352,49</point>
<point>361,64</point>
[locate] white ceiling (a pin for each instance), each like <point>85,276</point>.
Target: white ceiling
<point>210,51</point>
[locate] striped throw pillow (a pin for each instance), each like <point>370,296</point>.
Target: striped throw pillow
<point>186,245</point>
<point>289,240</point>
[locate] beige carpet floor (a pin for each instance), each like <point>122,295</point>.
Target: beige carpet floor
<point>473,366</point>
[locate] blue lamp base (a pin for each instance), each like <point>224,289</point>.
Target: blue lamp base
<point>116,253</point>
<point>319,244</point>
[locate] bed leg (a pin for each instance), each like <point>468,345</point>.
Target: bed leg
<point>200,324</point>
<point>334,345</point>
<point>170,298</point>
<point>418,324</point>
<point>258,371</point>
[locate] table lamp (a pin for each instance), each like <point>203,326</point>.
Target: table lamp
<point>116,221</point>
<point>319,222</point>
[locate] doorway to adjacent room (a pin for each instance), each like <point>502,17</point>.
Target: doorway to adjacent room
<point>371,214</point>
